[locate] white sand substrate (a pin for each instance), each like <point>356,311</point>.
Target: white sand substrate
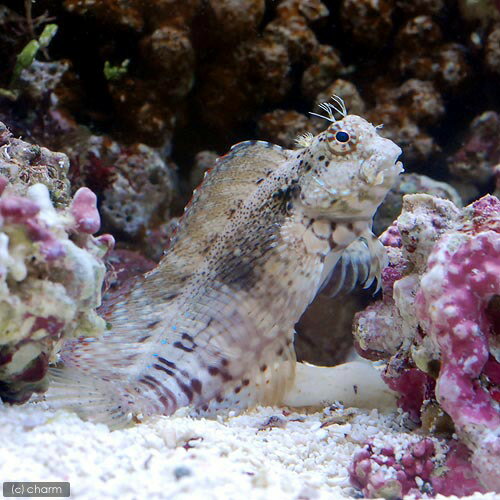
<point>266,453</point>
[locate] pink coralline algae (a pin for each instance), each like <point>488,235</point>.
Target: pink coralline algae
<point>462,277</point>
<point>84,210</point>
<point>426,467</point>
<point>437,325</point>
<point>51,272</point>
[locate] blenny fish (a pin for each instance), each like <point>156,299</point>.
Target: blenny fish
<point>212,326</point>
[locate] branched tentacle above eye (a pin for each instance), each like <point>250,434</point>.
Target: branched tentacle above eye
<point>339,107</point>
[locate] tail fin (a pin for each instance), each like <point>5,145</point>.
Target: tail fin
<point>91,398</point>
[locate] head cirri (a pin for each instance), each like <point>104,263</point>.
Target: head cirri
<point>347,169</point>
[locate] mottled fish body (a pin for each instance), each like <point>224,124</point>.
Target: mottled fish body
<point>212,326</point>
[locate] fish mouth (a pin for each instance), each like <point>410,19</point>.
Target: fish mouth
<point>395,158</point>
<point>391,169</point>
<point>398,165</point>
<point>392,153</point>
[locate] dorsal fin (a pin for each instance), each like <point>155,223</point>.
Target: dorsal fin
<point>234,178</point>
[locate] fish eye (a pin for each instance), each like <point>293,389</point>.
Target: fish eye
<point>340,141</point>
<point>342,136</point>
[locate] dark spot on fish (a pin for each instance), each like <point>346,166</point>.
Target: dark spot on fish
<point>242,274</point>
<point>237,389</point>
<point>277,195</point>
<point>245,382</point>
<point>153,380</point>
<point>292,191</point>
<point>214,370</point>
<point>163,369</point>
<point>166,362</point>
<point>196,385</point>
<point>355,387</point>
<point>153,323</point>
<point>180,345</point>
<point>263,368</point>
<point>186,336</point>
<point>185,389</point>
<point>143,339</point>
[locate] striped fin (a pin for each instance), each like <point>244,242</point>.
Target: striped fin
<point>89,397</point>
<point>265,383</point>
<point>360,263</point>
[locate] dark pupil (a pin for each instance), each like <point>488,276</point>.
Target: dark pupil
<point>342,136</point>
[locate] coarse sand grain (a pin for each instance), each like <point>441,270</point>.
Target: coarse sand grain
<point>266,453</point>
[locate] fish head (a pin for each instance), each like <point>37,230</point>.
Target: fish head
<point>347,170</point>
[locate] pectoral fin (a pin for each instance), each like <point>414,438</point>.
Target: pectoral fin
<point>360,263</point>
